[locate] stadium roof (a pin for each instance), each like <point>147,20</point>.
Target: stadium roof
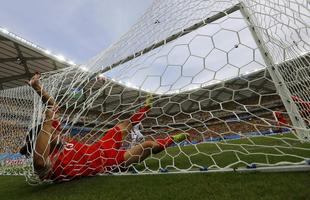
<point>236,90</point>
<point>20,59</point>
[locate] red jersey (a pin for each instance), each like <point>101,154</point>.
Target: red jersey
<point>76,159</point>
<point>79,159</point>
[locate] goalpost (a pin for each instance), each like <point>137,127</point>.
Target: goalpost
<point>217,70</point>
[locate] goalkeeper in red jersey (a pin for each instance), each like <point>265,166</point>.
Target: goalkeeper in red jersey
<point>57,160</point>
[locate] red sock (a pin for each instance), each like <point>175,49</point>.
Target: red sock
<point>137,117</point>
<point>165,142</point>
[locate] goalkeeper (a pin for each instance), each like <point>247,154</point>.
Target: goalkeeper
<point>57,160</point>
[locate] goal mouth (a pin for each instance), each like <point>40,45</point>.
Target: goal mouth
<point>231,75</point>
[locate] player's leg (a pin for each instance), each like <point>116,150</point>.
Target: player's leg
<point>112,141</point>
<point>135,120</point>
<point>123,128</point>
<point>116,135</point>
<point>139,115</point>
<point>141,151</point>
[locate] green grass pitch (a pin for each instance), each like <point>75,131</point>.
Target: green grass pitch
<point>230,153</point>
<point>228,185</point>
<point>293,185</point>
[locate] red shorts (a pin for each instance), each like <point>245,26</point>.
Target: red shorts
<point>110,144</point>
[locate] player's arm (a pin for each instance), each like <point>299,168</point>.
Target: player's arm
<point>42,168</point>
<point>34,82</point>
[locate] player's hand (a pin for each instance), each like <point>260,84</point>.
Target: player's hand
<point>35,80</point>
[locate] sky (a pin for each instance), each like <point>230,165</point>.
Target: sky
<point>206,56</point>
<point>76,29</point>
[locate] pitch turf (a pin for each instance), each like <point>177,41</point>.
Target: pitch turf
<point>230,153</point>
<point>274,186</point>
<point>233,185</point>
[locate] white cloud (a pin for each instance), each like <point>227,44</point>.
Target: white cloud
<point>78,29</point>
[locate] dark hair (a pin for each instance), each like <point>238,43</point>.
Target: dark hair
<point>26,150</point>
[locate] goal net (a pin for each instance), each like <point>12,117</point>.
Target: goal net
<point>234,75</point>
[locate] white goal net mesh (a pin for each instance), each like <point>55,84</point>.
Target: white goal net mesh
<point>233,75</point>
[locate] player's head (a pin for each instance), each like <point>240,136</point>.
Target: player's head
<point>26,150</point>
